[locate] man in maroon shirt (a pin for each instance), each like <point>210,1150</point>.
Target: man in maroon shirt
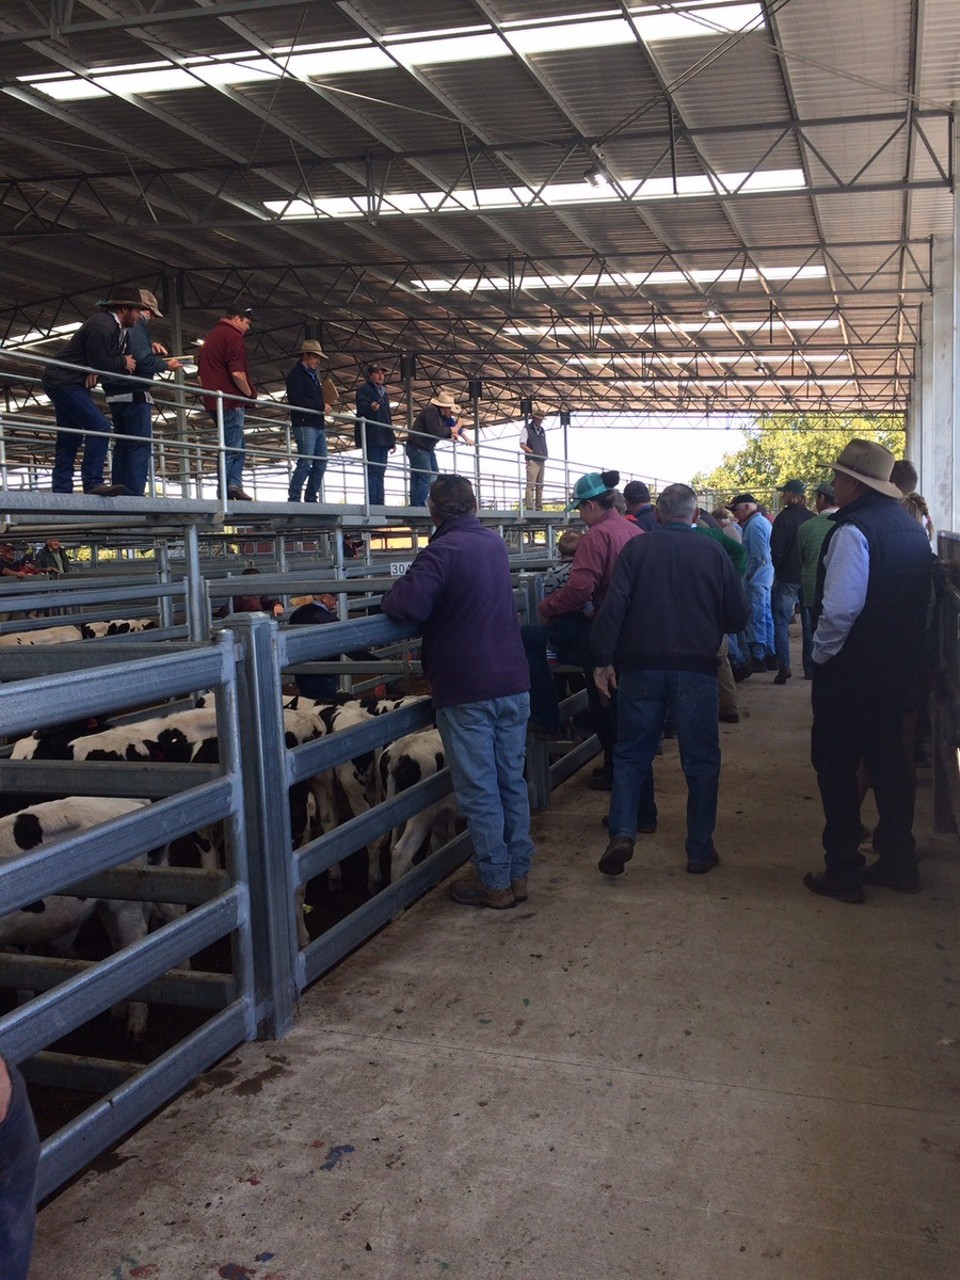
<point>222,366</point>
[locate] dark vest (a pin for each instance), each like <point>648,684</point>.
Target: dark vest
<point>886,644</point>
<point>536,440</point>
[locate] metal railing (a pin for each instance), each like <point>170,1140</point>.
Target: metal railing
<point>189,450</point>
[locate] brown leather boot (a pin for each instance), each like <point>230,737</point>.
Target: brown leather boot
<point>519,888</point>
<point>470,891</point>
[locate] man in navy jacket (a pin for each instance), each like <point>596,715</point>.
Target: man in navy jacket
<point>305,392</point>
<point>459,589</point>
<point>374,426</point>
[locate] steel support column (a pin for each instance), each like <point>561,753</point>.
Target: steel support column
<point>940,374</point>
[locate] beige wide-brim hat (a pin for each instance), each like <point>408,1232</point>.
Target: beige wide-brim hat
<point>871,464</point>
<point>313,348</point>
<point>444,400</point>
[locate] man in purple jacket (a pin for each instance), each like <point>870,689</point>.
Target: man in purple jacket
<point>459,589</point>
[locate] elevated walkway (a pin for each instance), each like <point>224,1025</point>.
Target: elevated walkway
<point>703,1078</point>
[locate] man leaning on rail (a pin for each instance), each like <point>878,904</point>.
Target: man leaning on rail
<point>101,343</point>
<point>459,589</point>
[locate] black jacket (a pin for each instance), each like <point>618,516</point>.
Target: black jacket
<point>304,392</point>
<point>374,407</point>
<point>99,343</point>
<point>673,595</point>
<point>784,548</point>
<point>429,426</point>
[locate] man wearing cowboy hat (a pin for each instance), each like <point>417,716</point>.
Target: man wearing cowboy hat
<point>533,443</point>
<point>437,421</point>
<point>101,344</point>
<point>373,429</point>
<point>305,393</point>
<point>130,404</point>
<point>870,618</point>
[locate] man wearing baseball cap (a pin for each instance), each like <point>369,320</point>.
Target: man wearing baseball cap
<point>131,404</point>
<point>223,366</point>
<point>870,617</point>
<point>101,344</point>
<point>785,554</point>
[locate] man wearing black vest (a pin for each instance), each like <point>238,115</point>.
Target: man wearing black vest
<point>533,443</point>
<point>870,617</point>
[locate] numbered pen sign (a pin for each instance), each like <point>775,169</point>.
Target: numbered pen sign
<point>398,569</point>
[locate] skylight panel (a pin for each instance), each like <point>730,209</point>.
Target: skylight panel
<point>35,337</point>
<point>587,34</point>
<point>418,53</point>
<point>655,25</point>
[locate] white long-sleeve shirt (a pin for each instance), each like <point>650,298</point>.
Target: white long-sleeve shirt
<point>846,574</point>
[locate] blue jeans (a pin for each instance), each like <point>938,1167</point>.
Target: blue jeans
<point>760,627</point>
<point>376,469</point>
<point>484,743</point>
<point>783,603</point>
<point>423,469</point>
<point>81,423</point>
<point>19,1154</point>
<point>644,699</point>
<point>131,458</point>
<point>311,463</point>
<point>233,440</point>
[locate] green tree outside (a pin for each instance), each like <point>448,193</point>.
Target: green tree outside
<point>798,448</point>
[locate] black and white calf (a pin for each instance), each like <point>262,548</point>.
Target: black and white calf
<point>402,765</point>
<point>54,922</point>
<point>80,631</point>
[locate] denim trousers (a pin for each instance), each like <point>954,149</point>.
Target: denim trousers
<point>484,743</point>
<point>569,637</point>
<point>81,423</point>
<point>376,470</point>
<point>234,445</point>
<point>423,471</point>
<point>760,625</point>
<point>311,445</point>
<point>783,604</point>
<point>19,1155</point>
<point>644,699</point>
<point>131,458</point>
<point>854,721</point>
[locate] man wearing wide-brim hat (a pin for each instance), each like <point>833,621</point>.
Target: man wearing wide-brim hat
<point>533,443</point>
<point>101,344</point>
<point>131,405</point>
<point>305,395</point>
<point>436,421</point>
<point>870,617</point>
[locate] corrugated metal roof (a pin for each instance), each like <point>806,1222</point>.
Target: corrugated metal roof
<point>210,167</point>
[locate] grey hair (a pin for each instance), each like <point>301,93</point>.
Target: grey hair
<point>677,502</point>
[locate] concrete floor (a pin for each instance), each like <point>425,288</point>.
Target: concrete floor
<point>700,1078</point>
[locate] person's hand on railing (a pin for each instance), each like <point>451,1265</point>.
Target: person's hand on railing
<point>174,364</point>
<point>159,349</point>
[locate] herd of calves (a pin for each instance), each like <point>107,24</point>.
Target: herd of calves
<point>317,805</point>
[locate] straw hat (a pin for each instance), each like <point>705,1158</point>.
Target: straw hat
<point>444,400</point>
<point>313,348</point>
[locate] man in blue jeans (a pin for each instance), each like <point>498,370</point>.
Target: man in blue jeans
<point>662,660</point>
<point>785,554</point>
<point>101,343</point>
<point>19,1158</point>
<point>222,365</point>
<point>459,589</point>
<point>373,430</point>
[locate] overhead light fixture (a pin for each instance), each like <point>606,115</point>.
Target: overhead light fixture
<point>596,176</point>
<point>709,313</point>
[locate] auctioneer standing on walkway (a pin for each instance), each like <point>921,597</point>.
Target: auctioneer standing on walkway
<point>131,405</point>
<point>305,392</point>
<point>374,429</point>
<point>223,366</point>
<point>869,655</point>
<point>459,589</point>
<point>100,343</point>
<point>672,597</point>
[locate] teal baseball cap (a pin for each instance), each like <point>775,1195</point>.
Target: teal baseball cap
<point>587,487</point>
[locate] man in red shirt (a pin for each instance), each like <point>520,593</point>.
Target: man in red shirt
<point>222,366</point>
